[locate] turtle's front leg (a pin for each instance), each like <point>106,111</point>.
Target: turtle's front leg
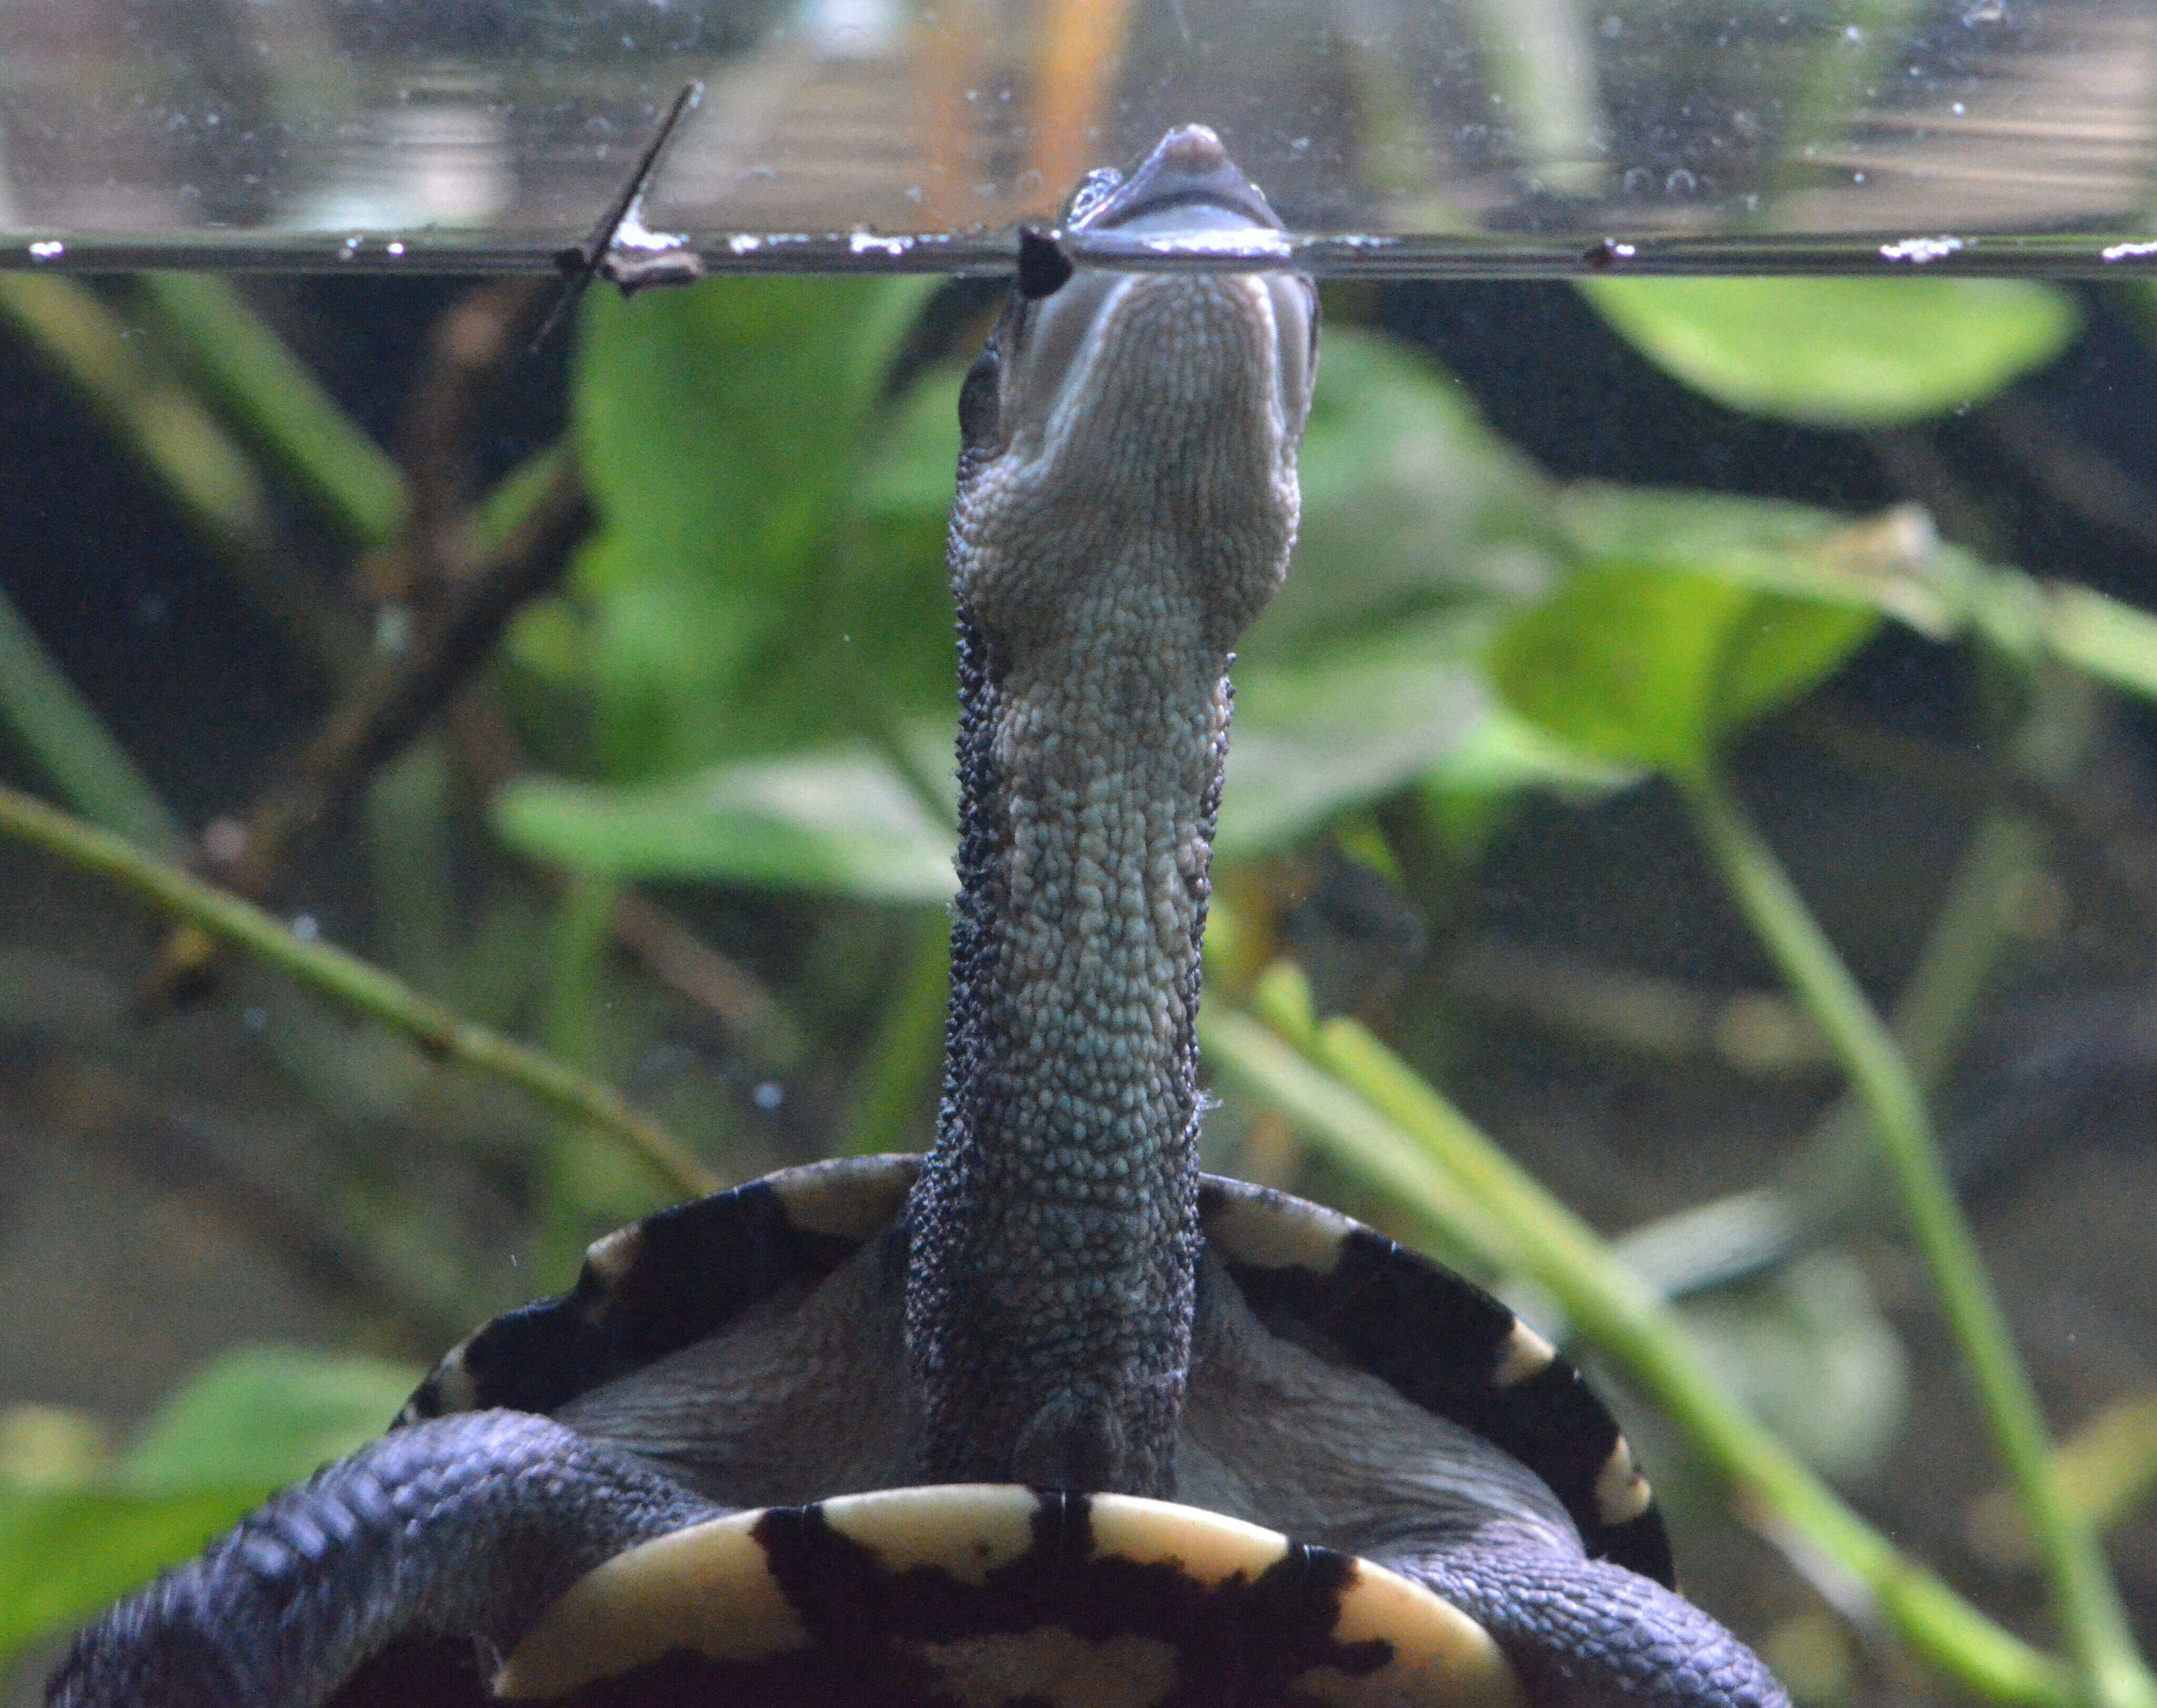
<point>466,1526</point>
<point>1585,1633</point>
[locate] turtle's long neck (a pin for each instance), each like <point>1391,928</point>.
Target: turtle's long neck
<point>1066,1157</point>
<point>1118,524</point>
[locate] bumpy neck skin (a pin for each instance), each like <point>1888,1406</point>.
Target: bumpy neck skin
<point>1127,500</point>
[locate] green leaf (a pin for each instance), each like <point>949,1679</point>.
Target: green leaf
<point>248,1423</point>
<point>252,375</point>
<point>1409,502</point>
<point>1469,792</point>
<point>63,1553</point>
<point>1895,561</point>
<point>723,431</point>
<point>1656,666</point>
<point>1364,718</point>
<point>1840,353</point>
<point>840,821</point>
<point>266,1415</point>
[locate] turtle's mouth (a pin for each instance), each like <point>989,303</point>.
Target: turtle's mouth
<point>1188,181</point>
<point>1086,342</point>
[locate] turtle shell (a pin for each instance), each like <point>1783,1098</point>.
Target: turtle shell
<point>972,1595</point>
<point>979,1594</point>
<point>1308,1274</point>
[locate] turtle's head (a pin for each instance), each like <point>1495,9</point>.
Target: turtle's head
<point>1111,407</point>
<point>1127,499</point>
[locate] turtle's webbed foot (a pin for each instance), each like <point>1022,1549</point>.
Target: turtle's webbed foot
<point>1584,1633</point>
<point>468,1525</point>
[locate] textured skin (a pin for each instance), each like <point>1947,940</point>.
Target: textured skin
<point>1582,1634</point>
<point>466,1527</point>
<point>1125,507</point>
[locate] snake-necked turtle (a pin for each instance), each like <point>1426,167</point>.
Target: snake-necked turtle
<point>1032,1420</point>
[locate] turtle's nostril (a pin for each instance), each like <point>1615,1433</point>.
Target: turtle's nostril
<point>1193,148</point>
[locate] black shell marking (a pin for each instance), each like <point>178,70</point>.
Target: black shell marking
<point>1440,1340</point>
<point>1445,1344</point>
<point>666,1282</point>
<point>974,1597</point>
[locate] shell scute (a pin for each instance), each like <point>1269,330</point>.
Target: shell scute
<point>663,1282</point>
<point>1445,1344</point>
<point>1439,1339</point>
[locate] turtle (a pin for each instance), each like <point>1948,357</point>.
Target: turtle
<point>1046,1415</point>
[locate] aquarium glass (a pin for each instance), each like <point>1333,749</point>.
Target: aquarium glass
<point>1508,130</point>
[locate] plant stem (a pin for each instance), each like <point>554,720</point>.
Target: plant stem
<point>589,1186</point>
<point>70,744</point>
<point>1826,1184</point>
<point>437,1029</point>
<point>1371,1147</point>
<point>214,485</point>
<point>2084,1599</point>
<point>254,377</point>
<point>1365,1083</point>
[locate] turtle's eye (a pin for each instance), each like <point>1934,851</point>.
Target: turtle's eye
<point>1093,189</point>
<point>1043,268</point>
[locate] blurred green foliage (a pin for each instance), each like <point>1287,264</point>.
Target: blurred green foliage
<point>1842,352</point>
<point>756,644</point>
<point>74,1535</point>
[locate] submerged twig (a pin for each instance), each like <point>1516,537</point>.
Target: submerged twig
<point>391,705</point>
<point>594,257</point>
<point>470,345</point>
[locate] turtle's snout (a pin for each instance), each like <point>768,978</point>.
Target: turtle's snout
<point>1189,181</point>
<point>1193,150</point>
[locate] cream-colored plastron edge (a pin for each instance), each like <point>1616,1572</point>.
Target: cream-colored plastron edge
<point>1442,1659</point>
<point>708,1589</point>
